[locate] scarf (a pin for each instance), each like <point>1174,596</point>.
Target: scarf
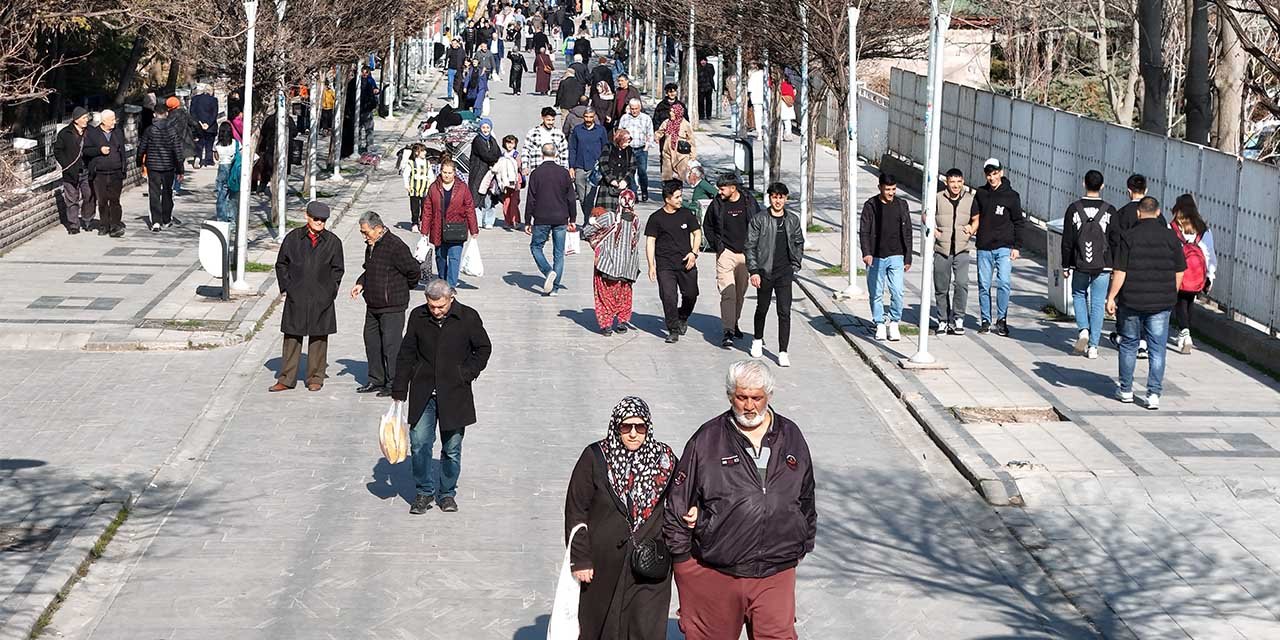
<point>673,125</point>
<point>480,123</point>
<point>638,477</point>
<point>602,88</point>
<point>615,240</point>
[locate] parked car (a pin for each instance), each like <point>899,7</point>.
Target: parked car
<point>1263,144</point>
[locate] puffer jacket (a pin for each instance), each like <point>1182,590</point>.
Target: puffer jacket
<point>161,147</point>
<point>761,244</point>
<point>745,528</point>
<point>952,217</point>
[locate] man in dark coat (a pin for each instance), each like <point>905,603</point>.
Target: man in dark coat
<point>390,271</point>
<point>204,109</point>
<point>309,268</point>
<point>662,110</point>
<point>107,165</point>
<point>161,153</point>
<point>77,193</point>
<point>444,350</point>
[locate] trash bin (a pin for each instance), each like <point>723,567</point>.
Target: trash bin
<point>215,252</point>
<point>1059,288</point>
<point>744,161</point>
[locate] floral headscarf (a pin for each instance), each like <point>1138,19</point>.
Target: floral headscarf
<point>638,478</point>
<point>673,124</point>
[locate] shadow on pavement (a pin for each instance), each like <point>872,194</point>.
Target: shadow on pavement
<point>391,480</point>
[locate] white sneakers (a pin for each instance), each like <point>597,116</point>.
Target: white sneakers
<point>1124,396</point>
<point>757,348</point>
<point>1153,401</point>
<point>894,334</point>
<point>783,359</point>
<point>1082,341</point>
<point>415,228</point>
<point>548,283</point>
<point>882,332</point>
<point>1183,343</point>
<point>1091,353</point>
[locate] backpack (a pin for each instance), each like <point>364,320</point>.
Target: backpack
<point>1193,279</point>
<point>233,177</point>
<point>1091,242</point>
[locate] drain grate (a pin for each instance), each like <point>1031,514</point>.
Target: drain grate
<point>16,539</point>
<point>1006,415</point>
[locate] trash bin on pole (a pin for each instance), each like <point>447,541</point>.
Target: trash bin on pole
<point>215,252</point>
<point>1059,287</point>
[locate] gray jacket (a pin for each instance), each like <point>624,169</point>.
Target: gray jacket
<point>951,221</point>
<point>760,243</point>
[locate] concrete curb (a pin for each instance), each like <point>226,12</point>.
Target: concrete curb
<point>73,553</point>
<point>262,308</point>
<point>995,485</point>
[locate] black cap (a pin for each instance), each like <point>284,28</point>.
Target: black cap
<point>78,112</point>
<point>318,210</point>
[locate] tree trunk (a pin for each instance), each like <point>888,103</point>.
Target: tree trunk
<point>1125,116</point>
<point>130,68</point>
<point>171,83</point>
<point>280,180</point>
<point>775,129</point>
<point>846,211</point>
<point>335,134</point>
<point>812,164</point>
<point>1155,83</point>
<point>1231,67</point>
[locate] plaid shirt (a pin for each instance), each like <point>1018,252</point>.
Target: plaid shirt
<point>640,127</point>
<point>531,154</point>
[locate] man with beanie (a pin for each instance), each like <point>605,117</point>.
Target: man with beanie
<point>951,244</point>
<point>390,271</point>
<point>160,152</point>
<point>886,238</point>
<point>728,218</point>
<point>107,166</point>
<point>77,193</point>
<point>183,125</point>
<point>309,268</point>
<point>998,223</point>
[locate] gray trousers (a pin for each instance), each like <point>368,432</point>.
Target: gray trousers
<point>948,307</point>
<point>582,185</point>
<point>81,203</point>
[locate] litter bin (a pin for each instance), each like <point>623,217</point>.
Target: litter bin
<point>744,161</point>
<point>1059,287</point>
<point>215,252</point>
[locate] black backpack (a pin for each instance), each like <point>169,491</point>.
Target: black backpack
<point>1091,241</point>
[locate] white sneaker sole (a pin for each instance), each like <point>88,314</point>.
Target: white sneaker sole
<point>1081,344</point>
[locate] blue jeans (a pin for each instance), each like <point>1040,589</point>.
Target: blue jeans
<point>539,240</point>
<point>619,69</point>
<point>448,88</point>
<point>885,272</point>
<point>642,172</point>
<point>1152,327</point>
<point>224,194</point>
<point>1090,311</point>
<point>422,439</point>
<point>1001,262</point>
<point>449,262</point>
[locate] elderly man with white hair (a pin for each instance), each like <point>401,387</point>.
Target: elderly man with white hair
<point>107,165</point>
<point>740,515</point>
<point>640,126</point>
<point>204,111</point>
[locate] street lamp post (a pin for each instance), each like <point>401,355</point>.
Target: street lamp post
<point>246,153</point>
<point>805,196</point>
<point>851,177</point>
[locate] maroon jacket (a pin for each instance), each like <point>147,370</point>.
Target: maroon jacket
<point>744,528</point>
<point>461,209</point>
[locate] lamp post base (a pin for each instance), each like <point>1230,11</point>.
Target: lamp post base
<point>921,360</point>
<point>851,292</point>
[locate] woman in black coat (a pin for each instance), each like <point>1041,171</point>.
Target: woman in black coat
<point>617,489</point>
<point>518,68</point>
<point>485,152</point>
<point>615,168</point>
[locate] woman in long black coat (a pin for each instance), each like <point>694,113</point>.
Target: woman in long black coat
<point>485,152</point>
<point>617,489</point>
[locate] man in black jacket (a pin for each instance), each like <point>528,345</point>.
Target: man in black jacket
<point>204,110</point>
<point>740,515</point>
<point>999,224</point>
<point>662,110</point>
<point>728,217</point>
<point>309,268</point>
<point>77,193</point>
<point>1089,235</point>
<point>706,88</point>
<point>550,209</point>
<point>390,271</point>
<point>107,166</point>
<point>444,350</point>
<point>160,151</point>
<point>570,92</point>
<point>886,238</point>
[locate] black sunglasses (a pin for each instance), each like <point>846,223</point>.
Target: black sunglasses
<point>627,427</point>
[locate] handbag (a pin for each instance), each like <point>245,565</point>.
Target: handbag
<point>650,559</point>
<point>684,147</point>
<point>454,233</point>
<point>563,623</point>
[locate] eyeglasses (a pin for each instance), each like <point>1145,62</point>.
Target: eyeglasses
<point>627,427</point>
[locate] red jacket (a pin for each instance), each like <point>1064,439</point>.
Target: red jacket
<point>461,209</point>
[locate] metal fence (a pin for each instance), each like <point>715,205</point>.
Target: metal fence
<point>873,122</point>
<point>1046,152</point>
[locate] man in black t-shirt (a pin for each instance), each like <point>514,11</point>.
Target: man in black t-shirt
<point>672,240</point>
<point>1146,274</point>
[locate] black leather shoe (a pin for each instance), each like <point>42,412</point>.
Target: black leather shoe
<point>448,504</point>
<point>384,392</point>
<point>727,342</point>
<point>368,388</point>
<point>673,336</point>
<point>421,505</point>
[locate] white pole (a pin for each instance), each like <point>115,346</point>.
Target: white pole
<point>762,119</point>
<point>394,68</point>
<point>355,112</point>
<point>804,122</point>
<point>692,101</point>
<point>928,191</point>
<point>851,177</point>
<point>313,138</point>
<point>739,97</point>
<point>335,134</point>
<point>246,151</point>
<point>280,179</point>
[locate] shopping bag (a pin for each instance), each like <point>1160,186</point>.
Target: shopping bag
<point>393,434</point>
<point>572,243</point>
<point>564,609</point>
<point>472,265</point>
<point>424,249</point>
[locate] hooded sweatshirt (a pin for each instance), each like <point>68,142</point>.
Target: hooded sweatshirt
<point>1001,221</point>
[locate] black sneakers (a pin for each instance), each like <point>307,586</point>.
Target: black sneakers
<point>683,327</point>
<point>727,342</point>
<point>673,335</point>
<point>448,504</point>
<point>1002,327</point>
<point>422,504</point>
<point>984,328</point>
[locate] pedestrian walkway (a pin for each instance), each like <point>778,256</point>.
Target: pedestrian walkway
<point>147,290</point>
<point>1162,522</point>
<point>285,522</point>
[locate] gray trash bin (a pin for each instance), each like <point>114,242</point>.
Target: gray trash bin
<point>1059,287</point>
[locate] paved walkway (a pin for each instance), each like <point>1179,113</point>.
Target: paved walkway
<point>1166,522</point>
<point>276,518</point>
<point>147,290</point>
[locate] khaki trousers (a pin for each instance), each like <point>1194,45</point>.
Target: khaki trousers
<point>731,280</point>
<point>291,355</point>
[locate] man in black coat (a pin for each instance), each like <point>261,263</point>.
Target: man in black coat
<point>444,350</point>
<point>309,268</point>
<point>161,153</point>
<point>390,271</point>
<point>662,110</point>
<point>204,109</point>
<point>107,166</point>
<point>77,193</point>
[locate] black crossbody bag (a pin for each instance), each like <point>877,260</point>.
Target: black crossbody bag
<point>650,559</point>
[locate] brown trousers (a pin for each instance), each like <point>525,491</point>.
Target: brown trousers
<point>291,356</point>
<point>732,279</point>
<point>714,605</point>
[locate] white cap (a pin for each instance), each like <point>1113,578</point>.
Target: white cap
<point>991,163</point>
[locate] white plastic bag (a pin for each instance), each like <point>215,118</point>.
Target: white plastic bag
<point>564,609</point>
<point>424,249</point>
<point>572,243</point>
<point>393,434</point>
<point>472,265</point>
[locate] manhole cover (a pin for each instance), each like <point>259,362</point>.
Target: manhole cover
<point>1005,415</point>
<point>14,539</point>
